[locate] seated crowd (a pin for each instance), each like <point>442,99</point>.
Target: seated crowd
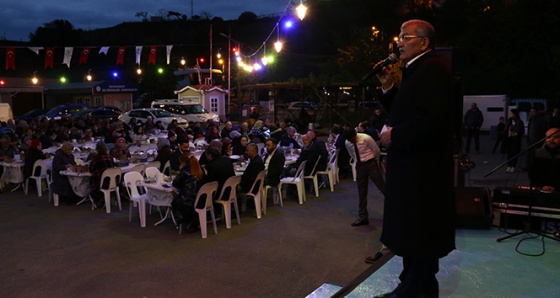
<point>113,139</point>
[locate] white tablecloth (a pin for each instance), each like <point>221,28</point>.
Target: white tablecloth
<point>13,172</point>
<point>81,182</point>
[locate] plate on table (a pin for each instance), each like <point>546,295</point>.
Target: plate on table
<point>241,169</point>
<point>234,156</point>
<point>547,191</point>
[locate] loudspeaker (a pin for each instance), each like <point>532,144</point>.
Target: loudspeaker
<point>474,207</point>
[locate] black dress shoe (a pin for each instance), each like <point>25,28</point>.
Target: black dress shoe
<point>360,222</point>
<point>371,260</point>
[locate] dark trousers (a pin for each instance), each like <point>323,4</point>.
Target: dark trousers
<point>364,170</point>
<point>418,278</point>
<point>472,133</point>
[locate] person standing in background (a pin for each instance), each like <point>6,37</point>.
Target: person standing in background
<point>473,121</point>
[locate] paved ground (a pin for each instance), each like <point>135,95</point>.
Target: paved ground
<point>71,251</point>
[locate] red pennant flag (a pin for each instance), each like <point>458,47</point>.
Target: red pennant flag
<point>152,57</point>
<point>84,56</point>
<point>11,58</point>
<point>120,55</point>
<point>49,57</point>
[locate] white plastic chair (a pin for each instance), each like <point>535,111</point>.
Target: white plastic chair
<point>297,180</point>
<point>209,190</point>
<point>167,168</point>
<point>330,171</point>
<point>151,172</point>
<point>39,173</point>
<point>113,177</point>
<point>155,164</point>
<point>231,183</point>
<point>131,180</point>
<point>52,195</point>
<point>255,192</point>
<point>275,196</point>
<point>313,177</point>
<point>138,168</point>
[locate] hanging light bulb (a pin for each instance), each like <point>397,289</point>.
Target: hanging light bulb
<point>88,76</point>
<point>278,43</point>
<point>278,46</point>
<point>183,61</point>
<point>301,10</point>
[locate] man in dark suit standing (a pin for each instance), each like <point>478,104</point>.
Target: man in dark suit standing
<point>273,163</point>
<point>419,207</point>
<point>253,169</point>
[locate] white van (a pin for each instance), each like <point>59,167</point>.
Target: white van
<point>5,112</point>
<point>192,112</point>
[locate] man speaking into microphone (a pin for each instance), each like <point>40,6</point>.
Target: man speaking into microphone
<point>419,210</point>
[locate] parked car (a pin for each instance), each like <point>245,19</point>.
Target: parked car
<point>157,115</point>
<point>29,115</point>
<point>192,112</point>
<point>64,110</point>
<point>111,108</point>
<point>99,114</point>
<point>307,105</point>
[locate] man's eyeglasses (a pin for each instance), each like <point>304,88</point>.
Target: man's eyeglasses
<point>406,38</point>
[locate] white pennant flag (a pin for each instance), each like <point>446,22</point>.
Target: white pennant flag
<point>35,49</point>
<point>169,47</point>
<point>104,50</point>
<point>67,55</point>
<point>138,54</point>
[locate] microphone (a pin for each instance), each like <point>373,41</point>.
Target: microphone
<point>389,60</point>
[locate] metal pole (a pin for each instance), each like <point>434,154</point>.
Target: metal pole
<point>229,72</point>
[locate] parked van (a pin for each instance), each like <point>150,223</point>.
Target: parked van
<point>192,112</point>
<point>5,112</point>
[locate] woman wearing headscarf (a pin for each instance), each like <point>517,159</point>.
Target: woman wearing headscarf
<point>99,163</point>
<point>240,145</point>
<point>163,153</point>
<point>227,147</point>
<point>63,160</point>
<point>120,151</point>
<point>32,154</point>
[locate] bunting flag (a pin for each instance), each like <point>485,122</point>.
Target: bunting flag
<point>84,56</point>
<point>120,55</point>
<point>49,57</point>
<point>35,49</point>
<point>169,47</point>
<point>67,55</point>
<point>104,50</point>
<point>152,57</point>
<point>11,58</point>
<point>138,54</point>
